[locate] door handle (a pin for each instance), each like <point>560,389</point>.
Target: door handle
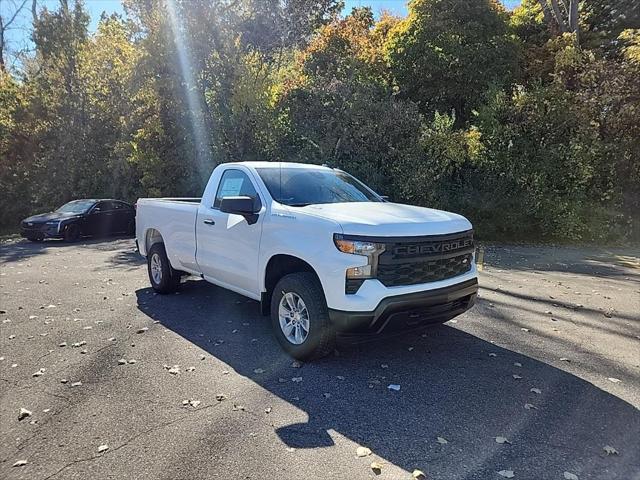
<point>209,221</point>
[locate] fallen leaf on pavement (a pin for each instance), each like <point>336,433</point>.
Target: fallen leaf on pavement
<point>530,406</point>
<point>238,407</point>
<point>502,440</point>
<point>517,364</point>
<point>296,364</point>
<point>419,475</point>
<point>570,476</point>
<point>258,370</point>
<point>20,463</point>
<point>517,377</point>
<point>103,448</point>
<point>296,379</point>
<point>267,410</point>
<point>609,450</point>
<point>24,413</point>
<point>376,467</point>
<point>442,441</point>
<point>536,390</point>
<point>506,473</point>
<point>493,354</point>
<point>76,384</point>
<point>220,397</point>
<point>363,452</point>
<point>564,359</point>
<point>614,380</point>
<point>394,387</point>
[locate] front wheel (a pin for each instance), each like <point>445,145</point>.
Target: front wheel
<point>164,279</point>
<point>300,318</point>
<point>72,233</point>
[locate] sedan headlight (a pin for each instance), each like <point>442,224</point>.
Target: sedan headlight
<point>53,224</point>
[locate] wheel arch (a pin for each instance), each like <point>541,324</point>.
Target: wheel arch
<point>277,267</point>
<point>151,237</point>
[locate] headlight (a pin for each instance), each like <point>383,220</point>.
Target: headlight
<point>53,225</point>
<point>371,250</point>
<point>357,247</point>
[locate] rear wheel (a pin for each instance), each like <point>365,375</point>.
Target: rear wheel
<point>131,227</point>
<point>164,279</point>
<point>72,233</point>
<point>35,239</point>
<point>300,318</point>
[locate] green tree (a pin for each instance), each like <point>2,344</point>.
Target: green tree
<point>447,53</point>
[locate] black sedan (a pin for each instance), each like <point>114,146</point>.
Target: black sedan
<point>81,218</point>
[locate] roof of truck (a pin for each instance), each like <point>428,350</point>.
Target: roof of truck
<point>279,165</point>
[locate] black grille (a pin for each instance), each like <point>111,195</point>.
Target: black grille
<point>426,259</point>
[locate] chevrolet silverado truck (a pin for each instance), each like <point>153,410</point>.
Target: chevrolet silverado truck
<point>323,253</point>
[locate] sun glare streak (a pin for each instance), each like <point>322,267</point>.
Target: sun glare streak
<point>196,111</point>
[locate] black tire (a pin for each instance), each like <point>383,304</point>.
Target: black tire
<point>35,239</point>
<point>72,233</point>
<point>321,338</point>
<point>131,228</point>
<point>169,279</point>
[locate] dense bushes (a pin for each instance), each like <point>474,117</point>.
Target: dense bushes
<point>461,105</point>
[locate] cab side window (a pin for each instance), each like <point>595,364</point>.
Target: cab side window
<point>236,183</point>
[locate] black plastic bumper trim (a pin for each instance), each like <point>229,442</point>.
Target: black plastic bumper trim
<point>461,296</point>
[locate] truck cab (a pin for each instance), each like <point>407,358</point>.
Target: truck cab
<point>322,252</point>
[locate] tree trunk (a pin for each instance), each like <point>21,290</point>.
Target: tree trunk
<point>573,19</point>
<point>2,67</point>
<point>558,16</point>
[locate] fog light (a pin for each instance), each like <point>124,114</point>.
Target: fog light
<point>359,272</point>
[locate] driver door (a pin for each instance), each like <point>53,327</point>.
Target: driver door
<point>227,246</point>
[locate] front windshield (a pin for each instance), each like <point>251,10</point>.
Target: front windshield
<point>298,187</point>
<point>77,206</point>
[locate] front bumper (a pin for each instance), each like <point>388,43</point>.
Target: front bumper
<point>40,231</point>
<point>411,310</point>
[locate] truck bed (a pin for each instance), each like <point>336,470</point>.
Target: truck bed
<point>176,219</point>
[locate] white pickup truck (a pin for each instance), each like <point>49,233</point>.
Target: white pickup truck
<point>322,252</point>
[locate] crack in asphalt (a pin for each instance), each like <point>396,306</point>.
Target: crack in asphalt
<point>130,440</point>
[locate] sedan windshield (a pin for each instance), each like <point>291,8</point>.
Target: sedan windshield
<point>298,187</point>
<point>77,206</point>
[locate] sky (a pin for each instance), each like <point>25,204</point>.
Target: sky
<point>18,37</point>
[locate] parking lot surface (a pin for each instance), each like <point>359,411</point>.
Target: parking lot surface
<point>540,380</point>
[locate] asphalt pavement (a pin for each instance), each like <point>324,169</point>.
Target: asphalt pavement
<point>540,380</point>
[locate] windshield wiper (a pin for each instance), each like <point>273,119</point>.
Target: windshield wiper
<point>298,204</point>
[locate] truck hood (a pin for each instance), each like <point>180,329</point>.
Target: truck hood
<point>389,219</point>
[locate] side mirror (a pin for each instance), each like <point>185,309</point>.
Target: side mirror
<point>244,206</point>
<point>95,210</point>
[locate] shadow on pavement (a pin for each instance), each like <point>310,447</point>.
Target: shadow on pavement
<point>450,387</point>
<point>597,262</point>
<point>24,249</point>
